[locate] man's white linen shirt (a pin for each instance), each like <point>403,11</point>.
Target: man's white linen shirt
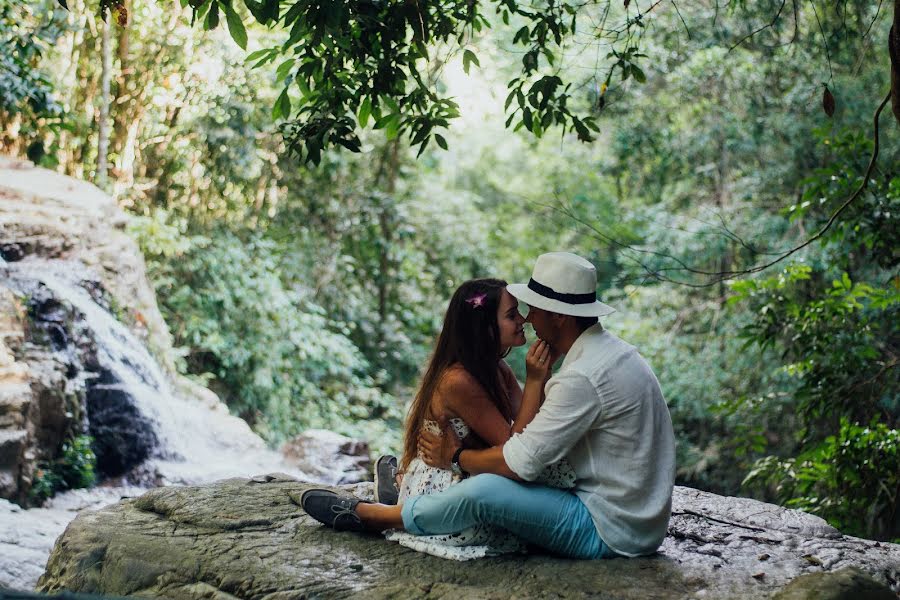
<point>605,413</point>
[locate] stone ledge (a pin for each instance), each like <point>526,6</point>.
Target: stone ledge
<point>241,538</point>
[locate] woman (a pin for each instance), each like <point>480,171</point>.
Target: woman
<point>470,386</point>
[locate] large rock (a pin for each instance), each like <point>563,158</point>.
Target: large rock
<point>39,398</point>
<point>243,538</point>
<point>27,536</point>
<point>50,216</point>
<point>84,349</point>
<point>329,457</point>
<point>50,221</point>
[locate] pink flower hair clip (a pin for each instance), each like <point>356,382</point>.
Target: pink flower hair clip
<point>477,301</point>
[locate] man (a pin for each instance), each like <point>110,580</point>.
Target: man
<point>603,411</point>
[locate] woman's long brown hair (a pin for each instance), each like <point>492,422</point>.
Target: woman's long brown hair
<point>469,337</point>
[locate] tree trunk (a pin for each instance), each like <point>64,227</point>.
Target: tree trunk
<point>103,125</point>
<point>388,174</point>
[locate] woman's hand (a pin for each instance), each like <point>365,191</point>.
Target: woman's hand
<point>539,361</point>
<point>437,450</point>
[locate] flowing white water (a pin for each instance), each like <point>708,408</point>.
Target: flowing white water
<point>197,443</point>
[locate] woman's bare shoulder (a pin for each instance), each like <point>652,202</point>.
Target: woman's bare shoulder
<point>457,380</point>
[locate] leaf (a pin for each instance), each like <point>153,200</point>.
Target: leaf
<point>521,33</point>
<point>283,69</point>
<point>526,118</point>
<point>421,134</point>
<point>257,54</point>
<point>638,74</point>
<point>509,100</point>
<point>365,109</point>
<point>282,107</point>
<point>469,58</point>
<point>422,147</point>
<point>828,102</point>
<point>235,26</point>
<point>392,129</point>
<point>264,11</point>
<point>63,4</point>
<point>212,17</point>
<point>440,141</point>
<point>272,10</point>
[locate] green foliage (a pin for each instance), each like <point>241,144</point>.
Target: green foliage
<point>834,320</point>
<point>25,35</point>
<point>346,61</point>
<point>73,469</point>
<point>266,349</point>
<point>76,467</point>
<point>45,485</point>
<point>852,479</point>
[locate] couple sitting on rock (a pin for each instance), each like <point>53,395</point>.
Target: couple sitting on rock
<point>580,463</point>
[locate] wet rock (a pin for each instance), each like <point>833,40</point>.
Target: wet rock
<point>45,216</point>
<point>845,584</point>
<point>123,436</point>
<point>247,538</point>
<point>11,252</point>
<point>38,401</point>
<point>329,457</point>
<point>27,536</point>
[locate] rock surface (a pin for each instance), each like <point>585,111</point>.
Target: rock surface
<point>845,584</point>
<point>27,536</point>
<point>329,457</point>
<point>243,538</point>
<point>49,220</point>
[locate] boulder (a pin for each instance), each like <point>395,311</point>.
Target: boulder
<point>329,457</point>
<point>27,536</point>
<point>242,538</point>
<point>845,584</point>
<point>84,349</point>
<point>56,223</point>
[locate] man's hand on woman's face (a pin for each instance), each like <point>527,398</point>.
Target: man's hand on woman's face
<point>437,450</point>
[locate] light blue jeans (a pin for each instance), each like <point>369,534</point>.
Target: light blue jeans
<point>553,519</point>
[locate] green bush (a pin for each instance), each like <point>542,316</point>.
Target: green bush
<point>271,354</point>
<point>74,469</point>
<point>852,479</point>
<point>833,317</point>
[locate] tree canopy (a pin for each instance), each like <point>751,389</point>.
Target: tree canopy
<point>346,64</point>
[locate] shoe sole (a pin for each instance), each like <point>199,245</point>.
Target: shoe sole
<point>377,466</point>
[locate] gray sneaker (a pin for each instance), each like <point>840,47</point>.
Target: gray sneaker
<point>338,512</point>
<point>386,490</point>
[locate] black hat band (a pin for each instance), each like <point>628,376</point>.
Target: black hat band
<point>549,292</point>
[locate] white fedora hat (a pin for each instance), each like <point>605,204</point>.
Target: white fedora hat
<point>563,283</point>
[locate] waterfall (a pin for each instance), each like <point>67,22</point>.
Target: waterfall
<point>185,440</point>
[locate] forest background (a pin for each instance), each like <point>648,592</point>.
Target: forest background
<point>304,277</point>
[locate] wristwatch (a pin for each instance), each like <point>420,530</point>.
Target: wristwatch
<point>454,464</point>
